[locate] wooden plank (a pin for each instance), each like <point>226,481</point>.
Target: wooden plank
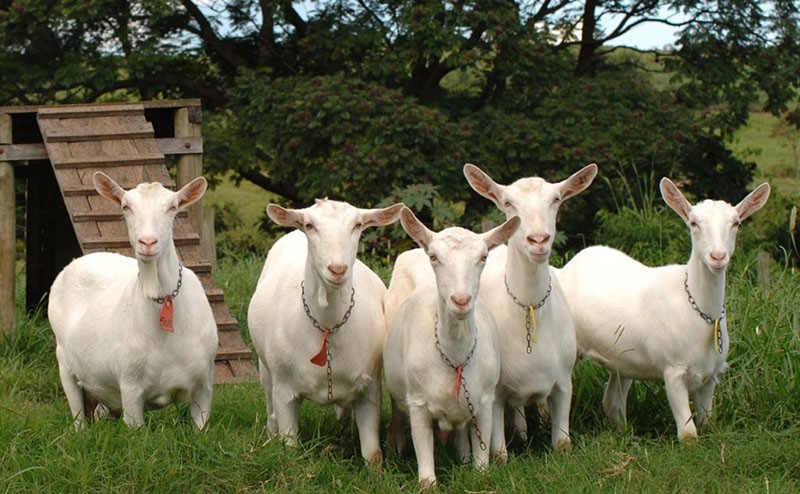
<point>84,111</point>
<point>180,145</point>
<point>155,104</point>
<point>190,166</point>
<point>223,317</point>
<point>198,267</point>
<point>222,372</point>
<point>109,161</point>
<point>95,215</point>
<point>101,128</point>
<point>23,152</point>
<point>243,369</point>
<point>8,237</point>
<point>37,151</point>
<point>112,243</point>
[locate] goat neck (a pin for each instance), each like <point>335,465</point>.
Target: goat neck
<point>706,286</point>
<point>527,280</point>
<point>159,277</point>
<point>328,304</point>
<point>456,335</point>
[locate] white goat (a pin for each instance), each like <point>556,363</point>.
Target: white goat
<point>664,323</point>
<point>314,292</point>
<point>534,326</point>
<point>135,333</point>
<point>441,358</point>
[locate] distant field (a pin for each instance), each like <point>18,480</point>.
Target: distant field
<point>249,199</point>
<point>772,154</point>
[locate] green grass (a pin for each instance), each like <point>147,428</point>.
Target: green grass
<point>773,155</point>
<point>751,445</point>
<point>249,199</point>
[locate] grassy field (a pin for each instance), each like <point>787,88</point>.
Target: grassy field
<point>773,155</point>
<point>751,446</point>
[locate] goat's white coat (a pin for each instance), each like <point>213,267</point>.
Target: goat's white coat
<point>637,321</point>
<point>323,257</point>
<point>109,342</point>
<point>422,385</point>
<point>544,375</point>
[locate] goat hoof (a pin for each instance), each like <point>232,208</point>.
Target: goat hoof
<point>563,446</point>
<point>427,483</point>
<point>374,460</point>
<point>500,458</point>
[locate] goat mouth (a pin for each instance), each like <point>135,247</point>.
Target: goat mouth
<point>539,256</point>
<point>336,282</point>
<point>461,311</point>
<point>717,267</point>
<point>146,257</point>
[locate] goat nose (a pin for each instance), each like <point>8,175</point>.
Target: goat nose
<point>718,255</point>
<point>148,241</point>
<point>337,269</point>
<point>461,300</point>
<point>539,238</point>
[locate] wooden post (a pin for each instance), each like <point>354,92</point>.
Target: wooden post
<point>207,242</point>
<point>8,235</point>
<point>190,166</point>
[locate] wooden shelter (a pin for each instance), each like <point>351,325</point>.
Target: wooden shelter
<point>56,149</point>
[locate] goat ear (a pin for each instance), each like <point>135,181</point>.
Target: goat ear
<point>192,192</point>
<point>382,217</point>
<point>284,216</point>
<point>107,187</point>
<point>753,201</point>
<point>502,233</point>
<point>578,182</point>
<point>483,184</point>
<point>675,198</point>
<point>415,229</point>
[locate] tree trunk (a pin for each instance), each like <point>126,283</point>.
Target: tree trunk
<point>586,57</point>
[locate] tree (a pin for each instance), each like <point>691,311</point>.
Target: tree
<point>361,98</point>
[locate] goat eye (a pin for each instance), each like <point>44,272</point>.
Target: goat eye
<point>308,227</point>
<point>507,205</point>
<point>433,258</point>
<point>556,200</point>
<point>173,208</point>
<point>126,208</point>
<point>357,226</point>
<point>694,224</point>
<point>483,258</point>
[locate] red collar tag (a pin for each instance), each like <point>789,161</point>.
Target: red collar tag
<point>165,316</point>
<point>321,358</point>
<point>459,370</point>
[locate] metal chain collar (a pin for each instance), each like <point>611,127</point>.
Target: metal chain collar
<point>529,308</point>
<point>706,317</point>
<point>176,291</point>
<point>458,368</point>
<point>330,331</point>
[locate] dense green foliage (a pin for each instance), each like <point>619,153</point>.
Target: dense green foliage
<point>362,100</point>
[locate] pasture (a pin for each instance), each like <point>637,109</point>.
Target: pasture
<point>751,446</point>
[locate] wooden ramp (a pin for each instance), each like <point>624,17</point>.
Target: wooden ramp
<point>119,141</point>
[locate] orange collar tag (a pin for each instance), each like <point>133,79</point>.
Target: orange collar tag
<point>165,317</point>
<point>321,358</point>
